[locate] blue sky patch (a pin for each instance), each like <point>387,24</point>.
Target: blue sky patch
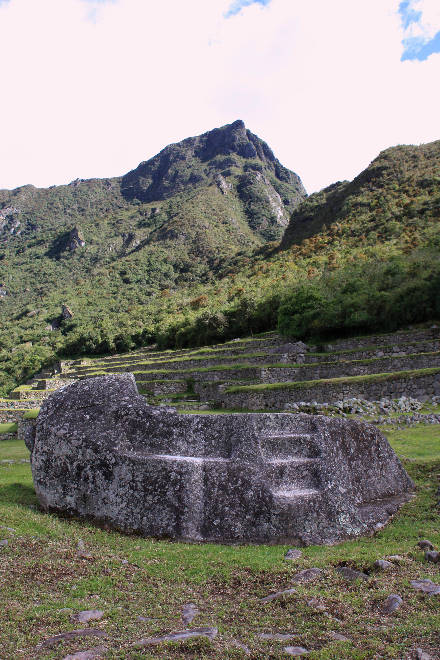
<point>238,5</point>
<point>417,48</point>
<point>421,40</point>
<point>408,14</point>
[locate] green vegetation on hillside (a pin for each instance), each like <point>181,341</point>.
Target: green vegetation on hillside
<point>363,258</point>
<point>399,193</point>
<point>171,225</point>
<point>369,296</point>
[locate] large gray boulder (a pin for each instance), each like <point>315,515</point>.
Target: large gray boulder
<point>99,451</point>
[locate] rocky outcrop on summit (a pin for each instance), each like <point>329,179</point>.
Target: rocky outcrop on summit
<point>232,158</point>
<point>100,451</point>
<point>179,217</point>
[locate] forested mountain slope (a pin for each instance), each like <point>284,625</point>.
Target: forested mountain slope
<point>172,220</point>
<point>101,246</point>
<point>398,192</point>
<point>197,267</point>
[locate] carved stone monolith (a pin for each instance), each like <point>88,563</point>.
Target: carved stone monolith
<point>99,451</point>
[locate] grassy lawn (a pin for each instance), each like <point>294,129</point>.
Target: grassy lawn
<point>45,581</point>
<point>8,427</point>
<point>420,443</point>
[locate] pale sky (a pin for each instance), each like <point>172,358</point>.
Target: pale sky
<point>89,88</point>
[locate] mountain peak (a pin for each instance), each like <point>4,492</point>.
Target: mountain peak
<point>198,161</point>
<point>227,175</point>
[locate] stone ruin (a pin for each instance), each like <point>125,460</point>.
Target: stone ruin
<point>100,452</point>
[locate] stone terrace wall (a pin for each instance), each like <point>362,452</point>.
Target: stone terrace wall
<point>339,369</point>
<point>218,350</point>
<point>163,387</point>
<point>14,404</point>
<point>419,387</point>
<point>180,368</point>
<point>189,364</point>
<point>385,340</point>
<point>427,346</point>
<point>51,383</point>
<point>10,416</point>
<point>205,382</point>
<point>224,375</point>
<point>35,396</point>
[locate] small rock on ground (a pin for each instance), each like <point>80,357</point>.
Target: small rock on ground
<point>307,575</point>
<point>72,634</point>
<point>432,555</point>
<point>3,543</point>
<point>241,646</point>
<point>88,615</point>
<point>210,633</point>
<point>425,545</point>
<point>351,574</point>
<point>426,586</point>
<point>277,594</point>
<point>338,637</point>
<point>81,551</point>
<point>391,604</point>
<point>399,559</point>
<point>422,655</point>
<point>90,654</point>
<point>292,553</point>
<point>382,564</point>
<point>296,651</point>
<point>189,612</point>
<point>277,637</point>
<point>314,602</point>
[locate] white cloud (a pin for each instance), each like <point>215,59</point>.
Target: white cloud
<point>421,23</point>
<point>429,23</point>
<point>238,5</point>
<point>321,82</point>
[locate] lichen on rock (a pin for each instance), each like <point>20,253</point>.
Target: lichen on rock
<point>100,451</point>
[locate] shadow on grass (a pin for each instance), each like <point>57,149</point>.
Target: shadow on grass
<point>18,494</point>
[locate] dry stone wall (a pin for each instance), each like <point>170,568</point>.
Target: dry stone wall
<point>353,368</point>
<point>394,350</point>
<point>209,373</point>
<point>10,416</point>
<point>417,387</point>
<point>157,387</point>
<point>192,364</point>
<point>390,339</point>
